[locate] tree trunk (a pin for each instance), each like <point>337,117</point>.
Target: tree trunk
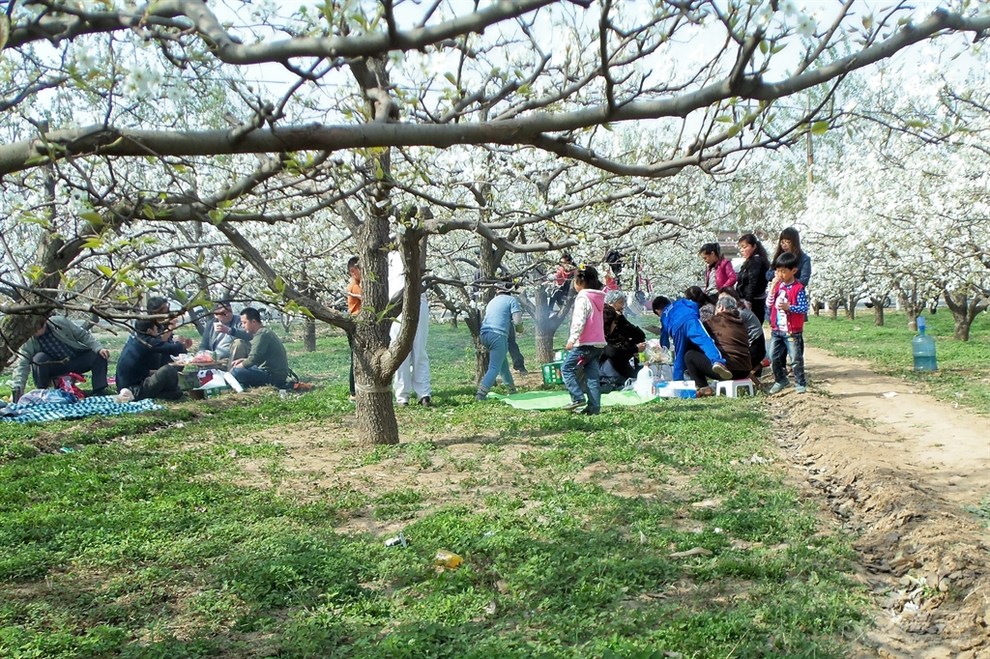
<point>851,307</point>
<point>833,308</point>
<point>480,360</point>
<point>878,318</point>
<point>309,335</point>
<point>964,311</point>
<point>544,346</point>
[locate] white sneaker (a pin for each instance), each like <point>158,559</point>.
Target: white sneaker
<point>778,387</point>
<point>721,371</point>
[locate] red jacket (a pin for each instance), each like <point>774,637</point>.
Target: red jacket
<point>725,275</point>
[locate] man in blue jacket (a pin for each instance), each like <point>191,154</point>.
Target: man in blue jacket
<point>694,351</point>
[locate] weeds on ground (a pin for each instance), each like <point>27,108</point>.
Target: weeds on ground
<point>258,529</point>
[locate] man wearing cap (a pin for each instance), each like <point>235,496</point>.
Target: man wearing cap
<point>60,347</point>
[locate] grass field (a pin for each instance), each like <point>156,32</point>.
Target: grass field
<point>206,530</point>
<point>963,374</point>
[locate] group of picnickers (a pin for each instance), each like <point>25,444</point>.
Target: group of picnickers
<point>714,332</point>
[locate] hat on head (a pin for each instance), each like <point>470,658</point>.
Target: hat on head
<point>612,296</point>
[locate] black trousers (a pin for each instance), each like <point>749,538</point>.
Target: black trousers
<point>759,308</point>
<point>699,368</point>
<point>44,368</point>
<point>515,354</point>
<point>621,360</point>
<point>163,383</point>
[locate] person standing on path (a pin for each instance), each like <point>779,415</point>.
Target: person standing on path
<point>752,280</point>
<point>790,306</point>
<point>718,269</point>
<point>790,241</point>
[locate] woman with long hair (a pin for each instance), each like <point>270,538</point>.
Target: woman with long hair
<point>790,241</point>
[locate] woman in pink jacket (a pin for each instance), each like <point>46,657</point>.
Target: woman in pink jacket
<point>719,273</point>
<point>586,342</point>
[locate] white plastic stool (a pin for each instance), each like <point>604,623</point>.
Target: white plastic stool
<point>732,388</point>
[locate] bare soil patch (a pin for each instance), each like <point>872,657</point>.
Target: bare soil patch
<point>898,471</point>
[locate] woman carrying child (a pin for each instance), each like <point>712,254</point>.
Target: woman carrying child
<point>586,342</point>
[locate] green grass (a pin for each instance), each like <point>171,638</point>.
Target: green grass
<point>203,531</point>
<point>963,374</point>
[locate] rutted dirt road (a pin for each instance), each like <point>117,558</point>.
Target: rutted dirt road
<point>901,472</point>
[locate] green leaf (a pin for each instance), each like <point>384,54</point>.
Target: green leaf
<point>450,78</point>
<point>764,46</point>
<point>4,30</point>
<point>819,128</point>
<point>105,270</point>
<point>724,119</point>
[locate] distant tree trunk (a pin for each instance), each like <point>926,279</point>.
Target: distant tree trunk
<point>309,335</point>
<point>833,308</point>
<point>964,311</point>
<point>480,360</point>
<point>878,318</point>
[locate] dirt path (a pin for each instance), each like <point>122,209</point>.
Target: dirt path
<point>900,472</point>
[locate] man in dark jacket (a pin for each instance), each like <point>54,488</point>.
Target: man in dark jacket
<point>140,366</point>
<point>59,347</point>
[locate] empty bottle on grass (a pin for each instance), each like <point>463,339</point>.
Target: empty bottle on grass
<point>923,347</point>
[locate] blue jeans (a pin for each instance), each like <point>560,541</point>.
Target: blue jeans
<point>252,376</point>
<point>589,357</point>
<point>782,347</point>
<point>498,364</point>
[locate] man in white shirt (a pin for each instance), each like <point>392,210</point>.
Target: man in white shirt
<point>413,376</point>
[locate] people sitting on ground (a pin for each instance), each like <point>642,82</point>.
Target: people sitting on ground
<point>728,331</point>
<point>562,278</point>
<point>694,351</point>
<point>754,329</point>
<point>60,347</point>
<point>267,362</point>
<point>623,340</point>
<point>140,367</point>
<point>718,269</point>
<point>221,335</point>
<point>501,313</point>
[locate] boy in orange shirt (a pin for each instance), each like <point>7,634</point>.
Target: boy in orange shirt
<point>353,306</point>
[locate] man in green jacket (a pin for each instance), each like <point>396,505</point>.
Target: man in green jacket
<point>59,347</point>
<point>267,363</point>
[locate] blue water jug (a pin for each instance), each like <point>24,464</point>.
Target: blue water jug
<point>923,348</point>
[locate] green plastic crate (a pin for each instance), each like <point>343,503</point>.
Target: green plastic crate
<point>551,373</point>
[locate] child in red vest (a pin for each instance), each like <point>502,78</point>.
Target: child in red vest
<point>788,308</point>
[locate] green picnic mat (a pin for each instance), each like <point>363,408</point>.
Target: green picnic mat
<point>553,400</point>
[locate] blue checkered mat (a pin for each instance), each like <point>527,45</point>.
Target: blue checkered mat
<point>93,406</point>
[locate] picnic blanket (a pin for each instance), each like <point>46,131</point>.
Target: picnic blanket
<point>92,406</point>
<point>552,400</point>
